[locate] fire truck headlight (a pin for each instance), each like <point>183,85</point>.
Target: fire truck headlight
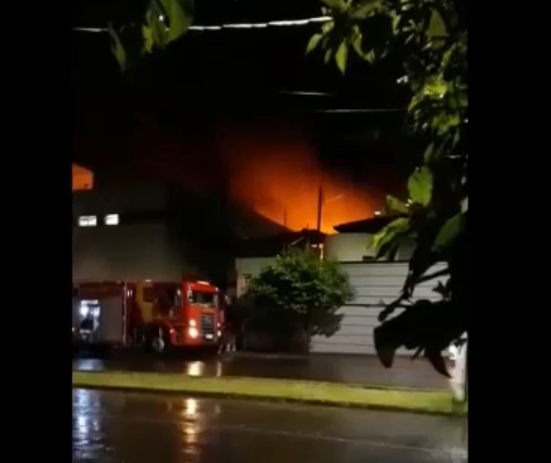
<point>219,333</point>
<point>83,310</point>
<point>192,323</point>
<point>193,333</point>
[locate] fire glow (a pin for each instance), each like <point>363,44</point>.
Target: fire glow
<point>83,179</point>
<point>277,174</point>
<point>271,168</point>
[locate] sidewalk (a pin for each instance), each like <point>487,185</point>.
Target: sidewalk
<point>343,369</point>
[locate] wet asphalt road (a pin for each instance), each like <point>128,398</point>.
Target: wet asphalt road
<point>330,368</point>
<point>120,427</point>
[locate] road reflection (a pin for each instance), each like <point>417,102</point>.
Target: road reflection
<point>195,369</point>
<point>145,428</point>
<point>89,440</point>
<point>214,367</point>
<point>192,424</point>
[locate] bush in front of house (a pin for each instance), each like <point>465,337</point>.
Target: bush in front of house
<point>297,297</point>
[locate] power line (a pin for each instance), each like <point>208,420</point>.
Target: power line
<point>306,93</point>
<point>282,23</point>
<point>359,110</point>
<point>219,27</point>
<point>90,29</point>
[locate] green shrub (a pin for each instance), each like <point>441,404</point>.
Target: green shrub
<point>299,293</point>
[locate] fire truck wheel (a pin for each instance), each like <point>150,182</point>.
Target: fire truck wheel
<point>158,341</point>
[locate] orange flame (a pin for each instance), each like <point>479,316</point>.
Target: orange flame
<point>276,172</point>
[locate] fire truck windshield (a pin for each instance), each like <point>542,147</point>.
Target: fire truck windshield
<point>203,298</point>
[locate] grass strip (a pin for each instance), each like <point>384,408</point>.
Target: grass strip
<point>433,402</point>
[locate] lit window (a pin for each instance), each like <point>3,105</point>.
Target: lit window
<point>87,221</point>
<point>112,219</point>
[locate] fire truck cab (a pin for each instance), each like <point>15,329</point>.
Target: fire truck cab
<point>155,315</point>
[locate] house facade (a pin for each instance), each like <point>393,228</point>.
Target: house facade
<point>353,241</point>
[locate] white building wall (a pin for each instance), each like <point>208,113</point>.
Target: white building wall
<point>247,267</point>
<point>353,247</point>
<point>348,247</point>
<point>374,282</point>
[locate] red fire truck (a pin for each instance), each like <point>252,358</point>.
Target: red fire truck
<point>157,315</point>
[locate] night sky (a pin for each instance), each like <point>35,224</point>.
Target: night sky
<point>211,114</point>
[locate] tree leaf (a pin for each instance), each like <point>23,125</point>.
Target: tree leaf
<point>456,137</point>
<point>370,56</point>
<point>356,40</point>
<point>328,54</point>
<point>446,58</point>
<point>147,33</point>
<point>327,26</point>
<point>429,153</point>
<point>358,47</point>
<point>465,204</point>
<point>437,27</point>
<point>117,48</point>
<point>395,21</point>
<point>442,290</point>
<point>395,205</point>
<point>435,87</point>
<point>180,16</point>
<point>337,5</point>
<point>313,43</point>
<point>420,186</point>
<point>388,233</point>
<point>365,8</point>
<point>341,56</point>
<point>390,250</point>
<point>159,31</point>
<point>449,232</point>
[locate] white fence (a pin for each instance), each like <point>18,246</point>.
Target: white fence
<point>374,282</point>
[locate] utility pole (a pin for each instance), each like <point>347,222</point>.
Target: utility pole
<point>320,206</point>
<point>321,202</point>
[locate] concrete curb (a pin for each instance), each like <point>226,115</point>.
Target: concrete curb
<point>306,392</point>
